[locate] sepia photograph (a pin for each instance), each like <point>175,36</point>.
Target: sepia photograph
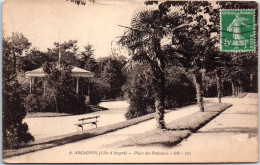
<point>129,81</point>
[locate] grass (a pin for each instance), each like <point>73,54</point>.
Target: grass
<point>94,108</point>
<point>176,131</point>
<point>97,108</point>
<point>155,137</point>
<point>45,114</point>
<point>198,119</point>
<point>73,137</point>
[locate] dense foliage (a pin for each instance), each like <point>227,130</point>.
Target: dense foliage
<point>193,29</point>
<point>15,132</point>
<point>110,76</point>
<point>139,90</point>
<point>179,90</point>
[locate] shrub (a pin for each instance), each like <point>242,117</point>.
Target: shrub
<point>71,103</point>
<point>39,103</point>
<point>15,132</point>
<point>32,103</point>
<point>111,77</point>
<point>179,90</point>
<point>139,90</point>
<point>61,86</point>
<point>139,104</point>
<point>95,94</point>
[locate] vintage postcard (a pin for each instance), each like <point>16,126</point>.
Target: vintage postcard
<point>111,81</point>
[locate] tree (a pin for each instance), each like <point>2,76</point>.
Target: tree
<point>81,2</point>
<point>18,45</point>
<point>33,60</point>
<point>240,70</point>
<point>110,76</point>
<point>15,132</point>
<point>61,86</point>
<point>138,88</point>
<point>87,60</point>
<point>195,42</point>
<point>66,52</point>
<point>221,61</point>
<point>143,39</point>
<point>241,63</point>
<point>180,89</point>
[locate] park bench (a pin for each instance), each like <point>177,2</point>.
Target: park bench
<point>90,120</point>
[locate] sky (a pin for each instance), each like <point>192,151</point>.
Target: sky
<point>46,21</point>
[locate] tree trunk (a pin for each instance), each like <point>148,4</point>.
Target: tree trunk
<point>233,88</point>
<point>218,77</point>
<point>159,85</point>
<point>55,99</point>
<point>251,82</point>
<point>198,83</point>
<point>159,100</point>
<point>56,104</point>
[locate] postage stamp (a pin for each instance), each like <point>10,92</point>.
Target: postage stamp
<point>237,30</point>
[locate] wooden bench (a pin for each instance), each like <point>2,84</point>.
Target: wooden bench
<point>94,122</point>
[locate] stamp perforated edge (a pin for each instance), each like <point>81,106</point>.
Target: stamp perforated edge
<point>221,33</point>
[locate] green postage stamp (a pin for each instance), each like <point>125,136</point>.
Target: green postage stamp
<point>237,30</point>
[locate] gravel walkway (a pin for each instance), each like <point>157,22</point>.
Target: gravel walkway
<point>44,127</point>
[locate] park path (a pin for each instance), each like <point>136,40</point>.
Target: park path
<point>230,137</point>
<point>61,153</point>
<point>45,127</point>
<point>231,133</point>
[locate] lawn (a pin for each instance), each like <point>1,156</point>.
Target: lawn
<point>45,114</point>
<point>73,137</point>
<point>94,108</point>
<point>176,131</point>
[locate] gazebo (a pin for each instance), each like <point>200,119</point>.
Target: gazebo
<point>75,72</point>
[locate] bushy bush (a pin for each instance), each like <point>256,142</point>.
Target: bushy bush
<point>179,90</point>
<point>72,103</point>
<point>32,103</point>
<point>68,103</point>
<point>39,103</point>
<point>139,90</point>
<point>15,132</point>
<point>95,94</point>
<point>110,76</point>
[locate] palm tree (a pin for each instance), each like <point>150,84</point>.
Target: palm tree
<point>143,39</point>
